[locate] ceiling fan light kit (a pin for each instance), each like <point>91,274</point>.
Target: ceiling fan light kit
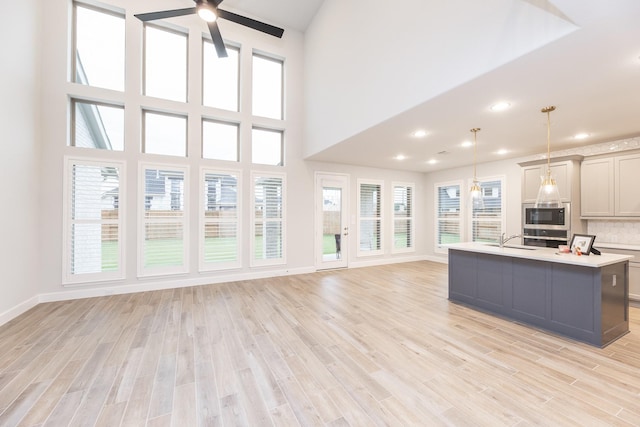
<point>209,11</point>
<point>205,12</point>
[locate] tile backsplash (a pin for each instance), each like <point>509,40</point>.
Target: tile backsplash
<point>615,231</point>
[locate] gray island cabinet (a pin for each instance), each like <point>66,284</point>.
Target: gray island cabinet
<point>581,297</point>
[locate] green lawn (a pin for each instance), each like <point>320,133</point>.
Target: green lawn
<point>169,251</point>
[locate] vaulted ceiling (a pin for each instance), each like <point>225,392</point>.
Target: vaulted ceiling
<point>378,71</point>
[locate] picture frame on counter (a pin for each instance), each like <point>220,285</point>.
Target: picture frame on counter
<point>582,243</point>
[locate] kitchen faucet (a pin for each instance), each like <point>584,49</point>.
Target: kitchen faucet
<point>504,240</point>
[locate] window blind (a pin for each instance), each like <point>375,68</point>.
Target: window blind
<point>486,223</point>
<point>220,239</point>
<point>93,222</point>
<point>370,217</point>
<point>163,245</point>
<point>403,217</point>
<point>268,216</point>
<point>448,214</point>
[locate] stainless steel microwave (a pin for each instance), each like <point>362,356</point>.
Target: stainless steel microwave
<point>548,218</point>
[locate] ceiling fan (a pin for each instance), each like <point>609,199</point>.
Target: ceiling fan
<point>209,11</point>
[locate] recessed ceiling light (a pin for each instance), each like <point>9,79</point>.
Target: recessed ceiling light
<point>582,135</point>
<point>467,144</point>
<point>420,133</point>
<point>432,161</point>
<point>502,152</point>
<point>400,157</point>
<point>500,106</point>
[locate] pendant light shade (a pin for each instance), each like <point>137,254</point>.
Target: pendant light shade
<point>477,201</point>
<point>548,193</point>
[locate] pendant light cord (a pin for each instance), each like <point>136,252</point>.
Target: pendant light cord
<point>548,110</point>
<point>475,143</point>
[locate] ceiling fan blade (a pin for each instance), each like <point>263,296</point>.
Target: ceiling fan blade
<point>216,37</point>
<point>152,16</point>
<point>251,23</point>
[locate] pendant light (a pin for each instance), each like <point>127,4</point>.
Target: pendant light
<point>476,192</point>
<point>548,194</point>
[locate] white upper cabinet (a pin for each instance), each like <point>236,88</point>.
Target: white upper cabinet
<point>627,183</point>
<point>596,188</point>
<point>609,186</point>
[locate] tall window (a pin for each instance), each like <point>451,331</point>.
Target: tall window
<point>370,218</point>
<point>97,125</point>
<point>220,84</point>
<point>448,213</point>
<point>93,221</point>
<point>266,147</point>
<point>220,238</point>
<point>220,140</point>
<point>99,47</point>
<point>163,246</point>
<point>267,87</point>
<point>403,231</point>
<point>487,223</point>
<point>268,219</point>
<point>165,64</point>
<point>165,134</point>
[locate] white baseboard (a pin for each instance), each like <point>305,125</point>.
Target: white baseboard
<point>78,292</point>
<point>19,309</point>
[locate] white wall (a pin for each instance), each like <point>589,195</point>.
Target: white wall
<point>19,159</point>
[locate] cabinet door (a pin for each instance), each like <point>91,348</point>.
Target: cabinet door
<point>596,187</point>
<point>627,179</point>
<point>531,180</point>
<point>531,183</point>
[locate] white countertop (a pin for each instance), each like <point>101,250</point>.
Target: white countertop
<point>625,246</point>
<point>541,254</point>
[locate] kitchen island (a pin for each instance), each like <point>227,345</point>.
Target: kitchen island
<point>581,297</point>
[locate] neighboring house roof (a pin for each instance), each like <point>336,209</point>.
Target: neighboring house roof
<point>91,115</point>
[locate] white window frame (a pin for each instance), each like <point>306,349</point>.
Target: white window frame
<point>410,219</point>
<point>69,278</point>
<point>163,270</point>
<point>380,218</point>
<point>253,262</point>
<point>502,219</point>
<point>213,266</point>
<point>461,217</point>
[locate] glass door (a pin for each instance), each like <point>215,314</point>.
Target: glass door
<point>332,226</point>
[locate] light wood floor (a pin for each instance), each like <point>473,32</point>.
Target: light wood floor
<point>361,347</point>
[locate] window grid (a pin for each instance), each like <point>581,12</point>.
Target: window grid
<point>155,105</point>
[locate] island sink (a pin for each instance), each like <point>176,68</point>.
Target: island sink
<point>526,248</point>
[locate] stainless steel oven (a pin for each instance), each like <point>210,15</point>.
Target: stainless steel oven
<point>546,227</point>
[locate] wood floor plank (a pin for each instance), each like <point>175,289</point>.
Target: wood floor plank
<point>356,347</point>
